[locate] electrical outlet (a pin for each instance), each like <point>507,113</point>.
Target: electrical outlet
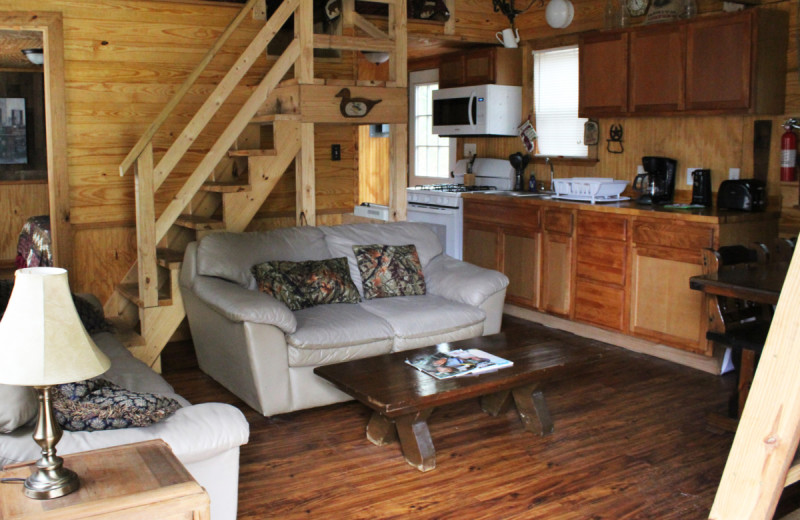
<point>470,149</point>
<point>689,171</point>
<point>733,173</point>
<point>336,152</point>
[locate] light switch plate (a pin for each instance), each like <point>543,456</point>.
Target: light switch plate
<point>733,173</point>
<point>470,149</point>
<point>689,174</point>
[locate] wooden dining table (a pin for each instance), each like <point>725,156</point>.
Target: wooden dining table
<point>758,283</point>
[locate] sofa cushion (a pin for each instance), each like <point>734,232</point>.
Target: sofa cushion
<point>304,284</point>
<point>338,332</point>
<point>231,255</point>
<point>424,316</point>
<point>388,271</point>
<point>341,239</point>
<point>97,404</point>
<point>18,406</point>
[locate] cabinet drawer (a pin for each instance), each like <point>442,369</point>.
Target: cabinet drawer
<point>599,305</point>
<point>602,226</point>
<point>672,234</point>
<point>558,221</point>
<point>602,260</point>
<point>524,216</point>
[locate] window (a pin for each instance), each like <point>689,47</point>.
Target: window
<point>555,98</point>
<point>429,156</point>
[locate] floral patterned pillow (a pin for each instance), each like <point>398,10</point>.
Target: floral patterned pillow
<point>304,284</point>
<point>97,404</point>
<point>388,271</point>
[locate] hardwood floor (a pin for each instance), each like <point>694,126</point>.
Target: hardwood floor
<point>630,442</point>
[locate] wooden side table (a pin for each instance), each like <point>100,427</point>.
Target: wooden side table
<point>135,481</point>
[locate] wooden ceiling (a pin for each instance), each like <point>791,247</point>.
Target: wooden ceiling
<point>11,45</point>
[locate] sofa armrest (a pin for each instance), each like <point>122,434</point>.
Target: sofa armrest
<point>239,304</point>
<point>461,281</point>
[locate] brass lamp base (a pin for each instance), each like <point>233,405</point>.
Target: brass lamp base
<point>52,479</point>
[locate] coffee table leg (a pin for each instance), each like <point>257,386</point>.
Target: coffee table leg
<point>415,439</point>
<point>496,404</point>
<point>381,430</point>
<point>533,410</point>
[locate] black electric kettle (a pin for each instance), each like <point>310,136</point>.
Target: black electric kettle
<point>701,187</point>
<point>519,162</point>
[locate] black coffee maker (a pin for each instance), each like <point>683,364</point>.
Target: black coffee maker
<point>657,184</point>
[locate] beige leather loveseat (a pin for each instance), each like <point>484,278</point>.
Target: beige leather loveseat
<point>265,353</point>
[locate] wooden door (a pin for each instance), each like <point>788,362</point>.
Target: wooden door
<point>557,255</point>
<point>481,245</point>
<point>479,67</point>
<point>657,63</point>
<point>603,75</point>
<point>451,71</point>
<point>718,63</point>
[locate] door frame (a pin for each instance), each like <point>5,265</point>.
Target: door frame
<point>50,24</point>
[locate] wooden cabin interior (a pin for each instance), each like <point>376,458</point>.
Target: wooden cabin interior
<point>112,66</point>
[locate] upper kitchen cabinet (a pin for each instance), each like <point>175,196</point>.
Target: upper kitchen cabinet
<point>490,65</point>
<point>737,63</point>
<point>603,69</point>
<point>719,64</point>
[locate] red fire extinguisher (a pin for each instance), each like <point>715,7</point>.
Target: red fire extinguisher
<point>788,154</point>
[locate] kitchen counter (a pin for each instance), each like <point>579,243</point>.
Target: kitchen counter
<point>629,207</point>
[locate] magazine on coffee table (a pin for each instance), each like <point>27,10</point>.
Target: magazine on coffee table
<point>456,363</point>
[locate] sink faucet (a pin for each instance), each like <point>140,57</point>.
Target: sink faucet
<point>548,162</point>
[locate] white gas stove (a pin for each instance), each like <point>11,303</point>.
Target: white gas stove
<point>440,205</point>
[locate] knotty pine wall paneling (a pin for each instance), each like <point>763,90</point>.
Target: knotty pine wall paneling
<point>19,200</point>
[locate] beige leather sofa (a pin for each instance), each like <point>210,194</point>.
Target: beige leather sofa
<point>264,353</point>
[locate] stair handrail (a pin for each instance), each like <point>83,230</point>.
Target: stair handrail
<point>148,135</point>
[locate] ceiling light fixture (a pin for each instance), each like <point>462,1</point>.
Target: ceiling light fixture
<point>376,57</point>
<point>35,56</point>
<point>559,13</point>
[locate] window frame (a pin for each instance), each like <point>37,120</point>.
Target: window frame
<point>415,78</point>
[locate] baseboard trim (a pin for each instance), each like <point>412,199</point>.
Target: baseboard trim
<point>712,365</point>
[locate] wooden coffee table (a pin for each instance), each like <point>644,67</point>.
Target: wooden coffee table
<point>403,398</point>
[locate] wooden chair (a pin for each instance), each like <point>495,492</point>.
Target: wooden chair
<point>739,325</point>
<point>780,250</point>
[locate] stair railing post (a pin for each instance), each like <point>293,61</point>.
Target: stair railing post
<point>146,228</point>
<point>304,32</point>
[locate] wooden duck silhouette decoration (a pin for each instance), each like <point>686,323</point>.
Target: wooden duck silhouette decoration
<point>355,106</point>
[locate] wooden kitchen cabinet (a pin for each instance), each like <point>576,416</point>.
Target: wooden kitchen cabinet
<point>719,64</point>
<point>663,307</point>
<point>558,238</point>
<point>600,271</point>
<point>506,237</point>
<point>603,74</point>
<point>490,65</point>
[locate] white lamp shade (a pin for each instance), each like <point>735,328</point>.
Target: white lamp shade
<point>376,57</point>
<point>42,339</point>
<point>559,13</point>
<point>35,56</point>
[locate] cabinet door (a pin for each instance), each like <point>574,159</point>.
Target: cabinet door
<point>719,63</point>
<point>479,67</point>
<point>663,307</point>
<point>451,71</point>
<point>521,265</point>
<point>481,245</point>
<point>603,73</point>
<point>557,252</point>
<point>657,58</point>
<point>600,304</point>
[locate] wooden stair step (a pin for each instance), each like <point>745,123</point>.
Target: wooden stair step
<point>199,223</point>
<point>125,334</point>
<point>131,292</point>
<point>226,187</point>
<point>169,258</point>
<point>271,118</point>
<point>252,153</point>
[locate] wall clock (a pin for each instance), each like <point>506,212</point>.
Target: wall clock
<point>637,7</point>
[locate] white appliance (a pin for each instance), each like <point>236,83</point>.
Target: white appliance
<point>477,110</point>
<point>440,205</point>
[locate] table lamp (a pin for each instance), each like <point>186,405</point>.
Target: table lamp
<point>43,343</point>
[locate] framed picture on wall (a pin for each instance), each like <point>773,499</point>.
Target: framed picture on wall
<point>13,131</point>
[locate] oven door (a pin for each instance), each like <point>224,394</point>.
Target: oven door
<point>445,222</point>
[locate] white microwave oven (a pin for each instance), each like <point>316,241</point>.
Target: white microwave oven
<point>477,110</point>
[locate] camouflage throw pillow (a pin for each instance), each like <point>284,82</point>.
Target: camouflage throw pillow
<point>388,271</point>
<point>305,284</point>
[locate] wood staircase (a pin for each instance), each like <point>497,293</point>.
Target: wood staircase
<point>147,306</point>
